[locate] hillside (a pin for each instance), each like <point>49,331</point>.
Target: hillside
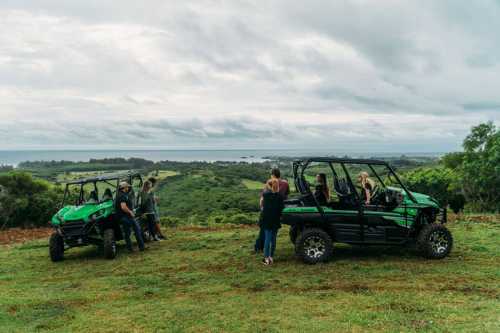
<point>203,280</point>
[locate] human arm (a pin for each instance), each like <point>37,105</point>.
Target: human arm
<point>124,207</point>
<point>368,195</point>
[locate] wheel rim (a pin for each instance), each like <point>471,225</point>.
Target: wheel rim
<point>314,247</point>
<point>439,241</point>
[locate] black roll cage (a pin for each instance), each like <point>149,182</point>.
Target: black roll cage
<point>112,180</point>
<point>300,166</point>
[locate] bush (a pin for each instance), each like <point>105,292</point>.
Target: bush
<point>481,168</point>
<point>441,183</point>
<point>27,202</point>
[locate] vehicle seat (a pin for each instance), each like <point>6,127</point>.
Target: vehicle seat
<point>108,195</point>
<point>344,193</point>
<point>93,197</point>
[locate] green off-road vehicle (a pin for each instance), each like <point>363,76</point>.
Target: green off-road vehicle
<point>394,215</point>
<point>89,218</point>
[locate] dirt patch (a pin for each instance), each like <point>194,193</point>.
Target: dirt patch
<point>18,235</point>
<point>477,218</point>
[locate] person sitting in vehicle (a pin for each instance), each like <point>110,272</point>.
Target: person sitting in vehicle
<point>322,192</point>
<point>93,199</point>
<point>108,195</point>
<point>367,187</point>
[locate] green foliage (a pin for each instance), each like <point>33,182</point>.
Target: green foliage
<point>481,168</point>
<point>439,182</point>
<point>452,160</point>
<point>25,201</point>
<point>208,195</point>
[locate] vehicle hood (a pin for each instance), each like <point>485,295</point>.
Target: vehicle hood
<point>422,199</point>
<point>82,212</point>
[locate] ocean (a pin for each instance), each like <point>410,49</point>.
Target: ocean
<point>14,157</point>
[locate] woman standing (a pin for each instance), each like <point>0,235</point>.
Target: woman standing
<point>147,208</point>
<point>272,206</point>
<point>157,212</point>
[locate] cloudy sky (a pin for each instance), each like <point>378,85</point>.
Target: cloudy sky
<point>340,75</point>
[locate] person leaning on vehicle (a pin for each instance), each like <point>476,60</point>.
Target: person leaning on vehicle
<point>147,208</point>
<point>125,214</point>
<point>157,212</point>
<point>284,191</point>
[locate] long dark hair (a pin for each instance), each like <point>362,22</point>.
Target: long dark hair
<point>324,184</point>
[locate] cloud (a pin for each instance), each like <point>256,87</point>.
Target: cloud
<point>240,74</point>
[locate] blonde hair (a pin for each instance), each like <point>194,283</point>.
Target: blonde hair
<point>273,184</point>
<point>365,178</point>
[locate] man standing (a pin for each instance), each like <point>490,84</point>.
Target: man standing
<point>284,191</point>
<point>126,216</point>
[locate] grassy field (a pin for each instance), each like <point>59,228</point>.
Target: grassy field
<point>206,280</point>
<point>252,184</point>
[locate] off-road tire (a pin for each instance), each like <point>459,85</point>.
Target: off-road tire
<point>293,233</point>
<point>56,247</point>
<point>434,241</point>
<point>109,244</point>
<point>313,246</point>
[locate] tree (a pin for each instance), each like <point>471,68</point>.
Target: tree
<point>25,201</point>
<point>481,167</point>
<point>441,183</point>
<point>452,160</point>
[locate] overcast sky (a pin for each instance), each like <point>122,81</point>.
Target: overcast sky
<point>340,75</point>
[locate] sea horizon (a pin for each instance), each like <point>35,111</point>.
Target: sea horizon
<point>14,157</point>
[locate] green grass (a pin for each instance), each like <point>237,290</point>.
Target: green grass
<point>252,184</point>
<point>162,174</point>
<point>208,281</point>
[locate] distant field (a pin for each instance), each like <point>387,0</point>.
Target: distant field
<point>202,280</point>
<point>252,184</point>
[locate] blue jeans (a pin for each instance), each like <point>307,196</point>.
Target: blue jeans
<point>128,223</point>
<point>151,224</point>
<point>269,242</point>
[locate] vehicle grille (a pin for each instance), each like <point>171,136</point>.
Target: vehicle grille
<point>74,228</point>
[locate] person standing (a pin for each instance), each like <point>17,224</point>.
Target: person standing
<point>272,207</point>
<point>125,214</point>
<point>284,191</point>
<point>156,208</point>
<point>146,206</point>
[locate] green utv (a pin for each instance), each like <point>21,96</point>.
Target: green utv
<point>394,216</point>
<point>88,217</point>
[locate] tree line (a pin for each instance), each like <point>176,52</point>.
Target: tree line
<point>468,180</point>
